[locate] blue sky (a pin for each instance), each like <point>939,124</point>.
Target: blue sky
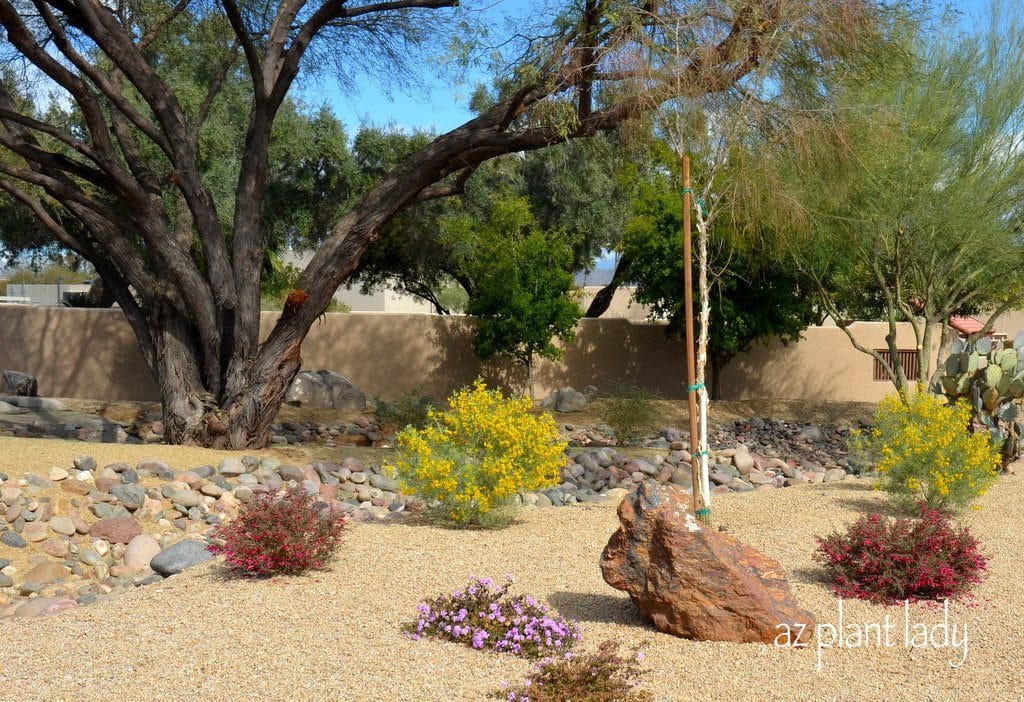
<point>439,105</point>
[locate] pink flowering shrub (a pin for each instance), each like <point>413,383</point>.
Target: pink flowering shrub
<point>284,534</point>
<point>604,675</point>
<point>892,560</point>
<point>486,617</point>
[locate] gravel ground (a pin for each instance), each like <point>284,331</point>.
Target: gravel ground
<point>335,635</point>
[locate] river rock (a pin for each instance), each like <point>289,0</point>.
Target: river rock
<point>131,495</point>
<point>692,581</point>
<point>743,461</point>
<point>187,498</point>
<point>58,548</point>
<point>35,531</point>
<point>232,467</point>
<point>42,606</point>
<point>182,555</point>
<point>116,530</point>
<point>46,573</point>
<point>12,539</point>
<point>140,551</point>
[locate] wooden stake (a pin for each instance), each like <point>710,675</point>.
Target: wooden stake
<point>700,510</point>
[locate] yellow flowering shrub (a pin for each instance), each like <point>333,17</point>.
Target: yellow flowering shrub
<point>479,453</point>
<point>923,451</point>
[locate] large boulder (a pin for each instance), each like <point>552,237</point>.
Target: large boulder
<point>18,383</point>
<point>324,388</point>
<point>565,400</point>
<point>696,582</point>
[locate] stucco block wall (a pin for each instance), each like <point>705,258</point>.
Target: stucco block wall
<point>92,354</point>
<point>822,365</point>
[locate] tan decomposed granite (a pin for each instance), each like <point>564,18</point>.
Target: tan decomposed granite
<point>337,635</point>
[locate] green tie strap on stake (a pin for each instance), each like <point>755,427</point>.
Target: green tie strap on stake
<point>702,453</point>
<point>704,514</point>
<point>699,200</point>
<point>694,387</point>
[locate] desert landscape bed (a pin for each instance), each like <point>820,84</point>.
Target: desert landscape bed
<point>337,634</point>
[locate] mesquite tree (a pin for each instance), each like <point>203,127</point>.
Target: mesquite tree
<point>127,182</point>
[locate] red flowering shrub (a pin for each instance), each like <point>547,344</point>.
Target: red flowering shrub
<point>286,534</point>
<point>892,560</point>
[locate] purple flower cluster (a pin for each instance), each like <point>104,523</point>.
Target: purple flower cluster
<point>486,617</point>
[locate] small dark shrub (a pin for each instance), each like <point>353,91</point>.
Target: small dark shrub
<point>408,409</point>
<point>892,560</point>
<point>284,534</point>
<point>632,412</point>
<point>486,617</point>
<point>604,675</point>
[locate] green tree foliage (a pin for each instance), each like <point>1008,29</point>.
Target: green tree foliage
<point>581,191</point>
<point>522,285</point>
<point>912,187</point>
<point>754,297</point>
<point>167,196</point>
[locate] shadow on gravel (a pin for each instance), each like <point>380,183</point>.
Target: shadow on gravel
<point>815,575</point>
<point>606,609</point>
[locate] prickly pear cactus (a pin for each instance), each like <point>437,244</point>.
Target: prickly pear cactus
<point>989,374</point>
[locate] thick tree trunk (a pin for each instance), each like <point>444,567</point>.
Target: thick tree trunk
<point>99,295</point>
<point>603,299</point>
<point>240,415</point>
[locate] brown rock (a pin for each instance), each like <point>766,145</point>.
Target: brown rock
<point>46,573</point>
<point>77,487</point>
<point>103,484</point>
<point>693,581</point>
<point>41,606</point>
<point>116,530</point>
<point>58,548</point>
<point>35,531</point>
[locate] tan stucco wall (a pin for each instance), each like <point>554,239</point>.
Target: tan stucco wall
<point>622,305</point>
<point>822,365</point>
<point>75,352</point>
<point>1009,323</point>
<point>92,354</point>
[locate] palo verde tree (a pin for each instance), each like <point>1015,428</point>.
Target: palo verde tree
<point>911,192</point>
<point>186,273</point>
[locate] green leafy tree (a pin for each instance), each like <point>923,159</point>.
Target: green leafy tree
<point>522,292</point>
<point>912,188</point>
<point>144,181</point>
<point>754,298</point>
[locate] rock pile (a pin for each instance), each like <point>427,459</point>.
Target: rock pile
<point>90,532</point>
<point>594,471</point>
<point>811,443</point>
